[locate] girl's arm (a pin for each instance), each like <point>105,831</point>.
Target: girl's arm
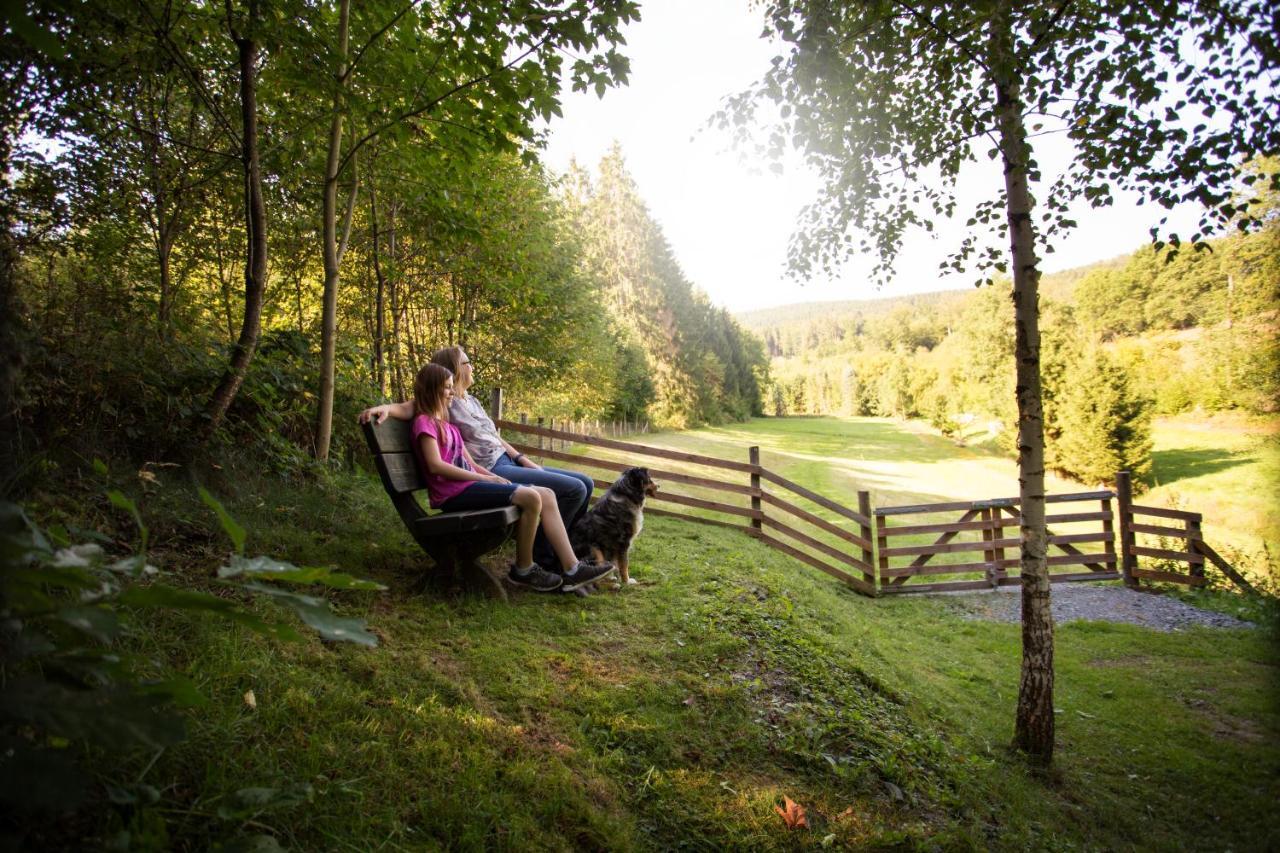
<point>400,411</point>
<point>476,465</point>
<point>437,466</point>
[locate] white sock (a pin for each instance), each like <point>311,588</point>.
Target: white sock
<point>526,570</point>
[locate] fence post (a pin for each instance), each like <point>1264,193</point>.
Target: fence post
<point>868,555</point>
<point>1193,530</point>
<point>1108,527</point>
<point>495,404</point>
<point>753,454</point>
<point>1124,501</point>
<point>541,420</point>
<point>551,443</point>
<point>989,554</point>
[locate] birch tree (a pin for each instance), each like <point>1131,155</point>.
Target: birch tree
<point>892,101</point>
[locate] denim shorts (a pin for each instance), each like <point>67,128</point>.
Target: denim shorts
<point>481,495</point>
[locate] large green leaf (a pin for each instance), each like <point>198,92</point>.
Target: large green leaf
<point>280,570</point>
<point>160,595</point>
<point>316,613</point>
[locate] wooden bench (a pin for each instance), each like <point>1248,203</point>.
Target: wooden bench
<point>453,540</point>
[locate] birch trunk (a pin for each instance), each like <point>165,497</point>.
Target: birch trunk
<point>1034,727</point>
<point>329,237</point>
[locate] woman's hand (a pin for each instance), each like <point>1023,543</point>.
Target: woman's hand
<point>377,414</point>
<point>529,463</point>
<point>494,478</point>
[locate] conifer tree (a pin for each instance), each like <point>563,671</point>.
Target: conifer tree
<point>1105,424</point>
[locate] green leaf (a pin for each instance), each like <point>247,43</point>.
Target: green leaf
<point>249,802</point>
<point>280,570</point>
<point>100,467</point>
<point>229,524</point>
<point>98,622</point>
<point>315,612</point>
<point>161,596</point>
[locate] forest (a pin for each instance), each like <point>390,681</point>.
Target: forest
<point>1152,333</point>
<point>211,247</point>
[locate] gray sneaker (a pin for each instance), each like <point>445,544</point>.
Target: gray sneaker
<point>536,578</point>
<point>584,573</point>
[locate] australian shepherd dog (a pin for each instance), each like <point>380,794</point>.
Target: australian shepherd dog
<point>609,527</point>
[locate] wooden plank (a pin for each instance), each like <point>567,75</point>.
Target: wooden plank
<point>628,447</point>
<point>1225,567</point>
<point>867,533</point>
<point>1194,559</point>
<point>951,548</point>
<point>1124,507</point>
<point>821,501</point>
<point>860,586</point>
<point>994,503</point>
<point>949,586</point>
<point>948,568</point>
<point>1160,530</point>
<point>834,553</point>
<point>685,500</point>
<point>1063,539</point>
<point>947,527</point>
<point>1085,576</point>
<point>852,538</point>
<point>1097,561</point>
<point>714,522</point>
<point>1072,517</point>
<point>1161,512</point>
<point>657,474</point>
<point>1169,577</point>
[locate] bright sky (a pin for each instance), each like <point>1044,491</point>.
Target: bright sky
<point>729,221</point>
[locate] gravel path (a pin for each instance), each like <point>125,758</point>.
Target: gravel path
<point>1101,604</point>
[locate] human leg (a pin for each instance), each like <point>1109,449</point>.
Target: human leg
<point>576,572</point>
<point>571,491</point>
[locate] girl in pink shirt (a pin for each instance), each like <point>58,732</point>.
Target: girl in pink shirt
<point>456,483</point>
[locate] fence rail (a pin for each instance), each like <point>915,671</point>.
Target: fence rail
<point>881,551</point>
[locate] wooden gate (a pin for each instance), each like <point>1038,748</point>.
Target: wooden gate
<point>991,529</point>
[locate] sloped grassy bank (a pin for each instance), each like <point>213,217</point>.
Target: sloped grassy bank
<point>673,715</point>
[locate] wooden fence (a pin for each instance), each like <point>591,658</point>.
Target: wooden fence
<point>954,545</point>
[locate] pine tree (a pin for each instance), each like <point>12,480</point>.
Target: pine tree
<point>1105,423</point>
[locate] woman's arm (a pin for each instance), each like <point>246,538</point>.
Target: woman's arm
<point>516,456</point>
<point>400,411</point>
<point>437,466</point>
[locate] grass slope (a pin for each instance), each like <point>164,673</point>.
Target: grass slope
<point>676,714</point>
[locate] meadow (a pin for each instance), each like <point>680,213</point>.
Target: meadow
<point>679,713</point>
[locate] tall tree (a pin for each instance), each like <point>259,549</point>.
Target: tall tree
<point>486,71</point>
<point>889,100</point>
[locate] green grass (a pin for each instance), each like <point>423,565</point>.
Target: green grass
<point>678,713</point>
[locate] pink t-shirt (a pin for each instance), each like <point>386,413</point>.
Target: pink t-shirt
<point>440,489</point>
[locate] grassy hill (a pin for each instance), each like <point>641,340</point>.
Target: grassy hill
<point>679,713</point>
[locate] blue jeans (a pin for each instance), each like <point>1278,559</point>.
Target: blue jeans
<point>571,490</point>
<point>480,496</point>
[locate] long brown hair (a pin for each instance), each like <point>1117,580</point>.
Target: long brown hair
<point>428,393</point>
<point>450,358</point>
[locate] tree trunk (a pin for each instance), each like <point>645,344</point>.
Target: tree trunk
<point>1033,732</point>
<point>379,308</point>
<point>397,369</point>
<point>255,272</point>
<point>332,259</point>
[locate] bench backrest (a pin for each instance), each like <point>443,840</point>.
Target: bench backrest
<point>391,443</point>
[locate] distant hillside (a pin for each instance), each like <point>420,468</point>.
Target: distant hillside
<point>1058,286</point>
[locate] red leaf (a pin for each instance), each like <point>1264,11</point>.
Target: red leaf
<point>793,815</point>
